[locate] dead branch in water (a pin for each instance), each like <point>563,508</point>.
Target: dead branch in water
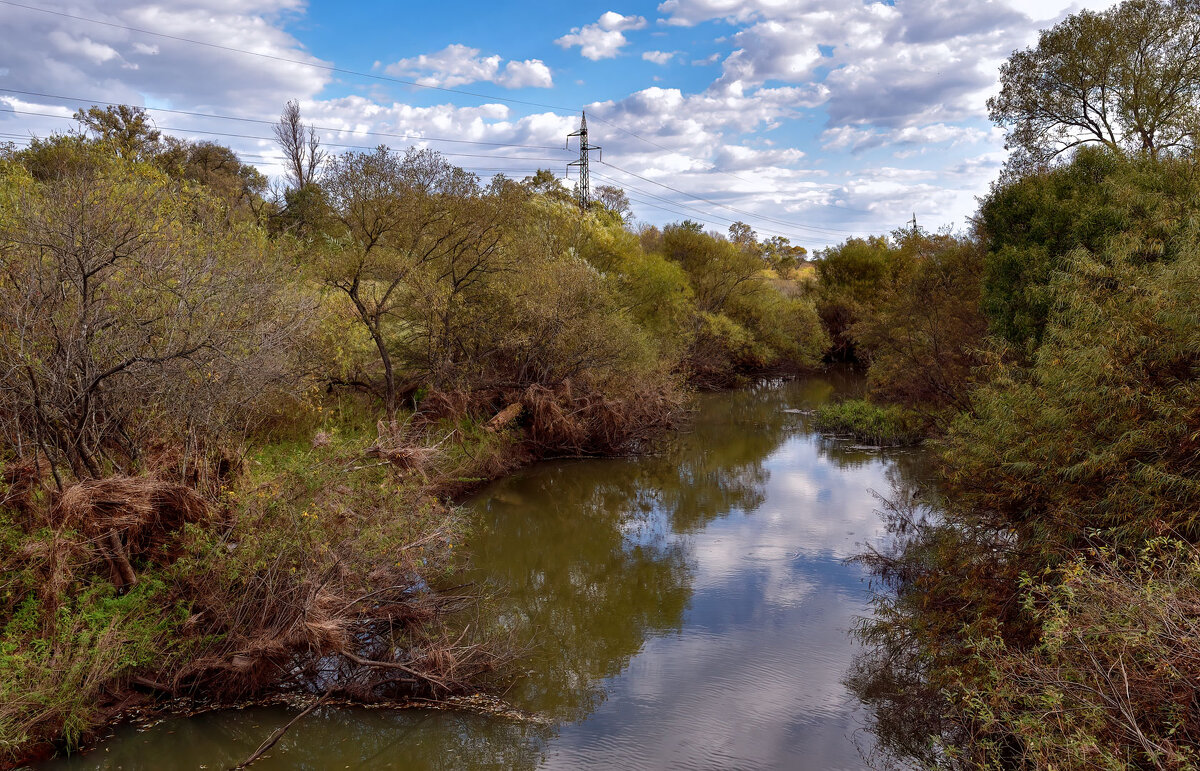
<point>278,734</point>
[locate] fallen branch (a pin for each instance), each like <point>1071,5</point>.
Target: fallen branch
<point>275,737</point>
<point>395,665</point>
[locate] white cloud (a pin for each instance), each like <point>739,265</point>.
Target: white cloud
<point>659,57</point>
<point>908,80</point>
<point>531,73</point>
<point>604,38</point>
<point>457,65</point>
<point>55,55</point>
<point>857,139</point>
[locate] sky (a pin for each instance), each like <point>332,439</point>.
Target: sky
<point>815,120</point>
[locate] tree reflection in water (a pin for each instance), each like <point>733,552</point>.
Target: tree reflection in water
<point>590,563</point>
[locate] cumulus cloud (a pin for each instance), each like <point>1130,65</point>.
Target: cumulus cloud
<point>896,64</point>
<point>909,78</point>
<point>659,57</point>
<point>604,38</point>
<point>457,65</point>
<point>56,55</point>
<point>858,139</point>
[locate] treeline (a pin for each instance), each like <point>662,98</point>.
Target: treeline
<point>1040,611</point>
<point>231,414</point>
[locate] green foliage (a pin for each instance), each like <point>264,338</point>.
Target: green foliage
<point>923,335</point>
<point>1017,610</point>
<point>54,671</point>
<point>1113,679</point>
<point>170,330</point>
<point>136,309</point>
<point>1031,225</point>
<point>1103,430</point>
<point>849,279</point>
<point>1124,78</point>
<point>886,426</point>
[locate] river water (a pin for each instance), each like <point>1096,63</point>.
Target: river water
<point>689,609</point>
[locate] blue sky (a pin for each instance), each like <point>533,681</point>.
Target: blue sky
<point>812,119</point>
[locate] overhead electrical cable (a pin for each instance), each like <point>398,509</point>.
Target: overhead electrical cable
<point>272,123</point>
<point>208,132</point>
<point>820,230</point>
<point>371,75</point>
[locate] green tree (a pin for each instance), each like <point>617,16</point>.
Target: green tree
<point>850,277</point>
<point>412,233</point>
<point>1032,224</point>
<point>547,183</point>
<point>127,130</point>
<point>1127,78</point>
<point>132,311</point>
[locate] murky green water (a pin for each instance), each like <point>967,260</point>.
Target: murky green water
<point>690,610</point>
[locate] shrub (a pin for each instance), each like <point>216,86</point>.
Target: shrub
<point>869,423</point>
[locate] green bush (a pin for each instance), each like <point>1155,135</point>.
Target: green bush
<point>869,423</point>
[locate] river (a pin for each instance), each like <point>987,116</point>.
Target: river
<point>688,609</point>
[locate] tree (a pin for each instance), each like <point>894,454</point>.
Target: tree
<point>850,278</point>
<point>127,130</point>
<point>1127,78</point>
<point>215,166</point>
<point>413,234</point>
<point>614,199</point>
<point>546,183</point>
<point>743,235</point>
<point>132,311</point>
<point>779,252</point>
<point>301,146</point>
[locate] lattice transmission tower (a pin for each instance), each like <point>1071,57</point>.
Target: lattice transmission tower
<point>584,191</point>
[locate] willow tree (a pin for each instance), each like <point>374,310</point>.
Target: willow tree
<point>1127,78</point>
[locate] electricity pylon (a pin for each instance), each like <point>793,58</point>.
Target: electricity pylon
<point>584,192</point>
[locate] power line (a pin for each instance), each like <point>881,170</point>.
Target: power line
<point>690,211</point>
<point>820,230</point>
<point>707,216</point>
<point>271,123</point>
<point>374,76</point>
<point>272,139</point>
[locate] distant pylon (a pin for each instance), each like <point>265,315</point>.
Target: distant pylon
<point>584,192</point>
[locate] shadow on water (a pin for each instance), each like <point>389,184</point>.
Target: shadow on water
<point>686,609</point>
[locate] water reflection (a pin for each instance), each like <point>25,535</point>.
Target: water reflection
<point>688,609</point>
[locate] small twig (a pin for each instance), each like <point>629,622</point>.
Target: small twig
<point>275,737</point>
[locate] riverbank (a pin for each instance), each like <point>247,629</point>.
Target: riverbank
<point>241,417</point>
<point>338,548</point>
<point>326,560</point>
<point>627,583</point>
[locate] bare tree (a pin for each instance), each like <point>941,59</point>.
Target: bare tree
<point>301,146</point>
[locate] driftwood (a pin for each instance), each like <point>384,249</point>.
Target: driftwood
<point>505,417</point>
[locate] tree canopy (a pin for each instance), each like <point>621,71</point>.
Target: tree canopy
<point>1127,78</point>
